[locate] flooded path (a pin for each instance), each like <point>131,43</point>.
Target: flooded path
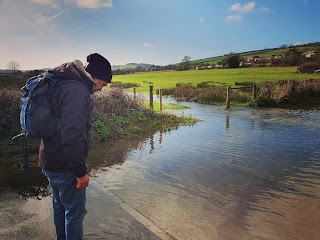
<point>237,174</point>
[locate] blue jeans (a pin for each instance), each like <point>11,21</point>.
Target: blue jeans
<point>68,205</point>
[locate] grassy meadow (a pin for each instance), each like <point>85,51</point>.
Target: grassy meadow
<point>217,77</point>
<point>260,53</point>
<point>266,53</point>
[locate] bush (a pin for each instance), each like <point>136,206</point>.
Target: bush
<point>247,83</point>
<point>10,108</point>
<point>293,89</point>
<point>114,102</point>
<point>290,89</point>
<point>204,84</point>
<point>309,67</point>
<point>234,61</point>
<point>103,131</point>
<point>184,92</point>
<point>210,94</point>
<point>124,85</point>
<point>262,102</point>
<point>13,81</point>
<point>166,91</point>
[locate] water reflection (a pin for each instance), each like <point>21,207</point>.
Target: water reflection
<point>227,119</point>
<point>226,176</point>
<point>293,211</point>
<point>237,174</point>
<point>113,154</point>
<point>28,184</point>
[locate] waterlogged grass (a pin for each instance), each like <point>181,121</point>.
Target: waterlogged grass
<point>174,106</point>
<point>218,77</point>
<point>134,123</point>
<point>116,114</point>
<point>165,106</point>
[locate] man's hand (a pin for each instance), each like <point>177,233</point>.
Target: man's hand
<point>83,182</point>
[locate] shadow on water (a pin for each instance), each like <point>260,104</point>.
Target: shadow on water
<point>33,184</point>
<point>114,153</point>
<point>27,184</point>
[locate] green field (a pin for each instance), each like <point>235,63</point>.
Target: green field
<point>218,77</point>
<point>260,53</point>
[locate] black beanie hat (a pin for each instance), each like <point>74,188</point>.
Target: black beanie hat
<point>99,67</point>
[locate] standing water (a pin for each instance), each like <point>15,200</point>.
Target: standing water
<point>236,174</point>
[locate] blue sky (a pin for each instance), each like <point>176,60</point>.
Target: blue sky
<point>46,33</point>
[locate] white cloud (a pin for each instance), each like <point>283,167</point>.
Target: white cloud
<point>42,1</point>
<point>83,26</point>
<point>48,19</point>
<point>94,3</point>
<point>297,43</point>
<point>92,47</point>
<point>82,3</point>
<point>45,2</point>
<point>245,8</point>
<point>240,9</point>
<point>234,18</point>
<point>264,9</point>
<point>148,45</point>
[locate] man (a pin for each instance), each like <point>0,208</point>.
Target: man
<point>63,155</point>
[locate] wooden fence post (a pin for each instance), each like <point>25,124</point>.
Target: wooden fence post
<point>160,96</point>
<point>254,91</point>
<point>151,97</point>
<point>228,98</point>
<point>134,92</point>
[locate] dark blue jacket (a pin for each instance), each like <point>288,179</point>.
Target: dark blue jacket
<point>67,150</point>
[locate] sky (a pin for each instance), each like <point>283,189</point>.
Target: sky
<point>46,33</point>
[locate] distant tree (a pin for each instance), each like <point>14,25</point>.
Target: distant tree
<point>283,46</point>
<point>234,61</point>
<point>222,63</point>
<point>185,62</point>
<point>275,62</point>
<point>292,58</point>
<point>13,66</point>
<point>309,67</point>
<point>138,69</point>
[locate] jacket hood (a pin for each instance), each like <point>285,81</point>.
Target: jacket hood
<point>74,71</point>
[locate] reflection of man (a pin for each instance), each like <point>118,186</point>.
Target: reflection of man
<point>63,155</point>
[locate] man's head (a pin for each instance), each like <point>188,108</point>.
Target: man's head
<point>100,70</point>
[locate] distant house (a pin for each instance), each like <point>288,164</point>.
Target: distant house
<point>311,54</point>
<point>218,66</point>
<point>308,54</point>
<point>252,59</point>
<point>203,67</point>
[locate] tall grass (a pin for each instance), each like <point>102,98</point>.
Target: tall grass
<point>283,90</point>
<point>123,85</point>
<point>209,94</point>
<point>114,102</point>
<point>9,108</point>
